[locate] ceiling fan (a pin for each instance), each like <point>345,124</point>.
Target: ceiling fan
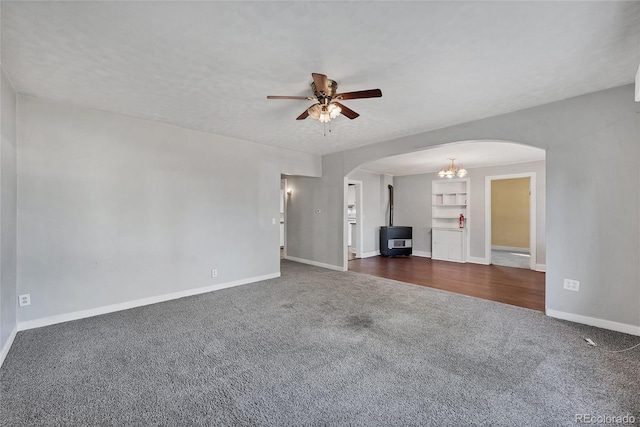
<point>328,107</point>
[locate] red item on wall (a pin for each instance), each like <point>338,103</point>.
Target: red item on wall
<point>461,221</point>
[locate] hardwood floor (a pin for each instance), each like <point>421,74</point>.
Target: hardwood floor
<point>515,286</point>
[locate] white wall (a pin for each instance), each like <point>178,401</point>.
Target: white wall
<point>413,206</point>
<point>593,221</point>
<point>8,295</point>
<point>412,200</point>
<point>317,205</point>
<point>113,209</point>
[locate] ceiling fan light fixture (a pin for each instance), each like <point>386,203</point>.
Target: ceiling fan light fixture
<point>324,113</point>
<point>325,92</point>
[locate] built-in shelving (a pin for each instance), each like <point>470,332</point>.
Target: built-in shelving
<point>449,199</point>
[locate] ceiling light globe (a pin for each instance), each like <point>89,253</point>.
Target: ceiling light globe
<point>334,110</point>
<point>324,118</point>
<point>315,111</point>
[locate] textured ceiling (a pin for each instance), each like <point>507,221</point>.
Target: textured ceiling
<point>210,65</point>
<point>470,154</point>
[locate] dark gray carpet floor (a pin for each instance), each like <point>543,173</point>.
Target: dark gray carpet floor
<point>317,347</point>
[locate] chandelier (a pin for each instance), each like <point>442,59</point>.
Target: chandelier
<point>324,112</point>
<point>452,171</point>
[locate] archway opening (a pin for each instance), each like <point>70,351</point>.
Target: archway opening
<point>451,217</point>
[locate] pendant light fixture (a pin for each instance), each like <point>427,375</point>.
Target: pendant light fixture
<point>452,171</point>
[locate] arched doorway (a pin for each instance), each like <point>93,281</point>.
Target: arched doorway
<point>415,174</point>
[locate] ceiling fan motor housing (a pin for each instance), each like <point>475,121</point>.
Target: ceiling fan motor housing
<point>331,84</point>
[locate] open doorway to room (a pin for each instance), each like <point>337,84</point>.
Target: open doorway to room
<point>510,220</point>
<point>354,220</point>
<point>284,193</point>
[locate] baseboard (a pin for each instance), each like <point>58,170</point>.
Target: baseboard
<point>478,260</point>
<point>449,260</point>
<point>370,254</point>
<point>511,249</point>
<point>7,345</point>
<point>592,321</point>
<point>541,267</point>
<point>315,263</point>
<point>76,315</point>
<point>421,254</point>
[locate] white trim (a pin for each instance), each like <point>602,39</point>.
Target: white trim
<point>541,267</point>
<point>592,321</point>
<point>532,213</point>
<point>370,254</point>
<point>316,264</point>
<point>66,317</point>
<point>479,260</point>
<point>511,249</point>
<point>459,261</point>
<point>421,254</point>
<point>7,345</point>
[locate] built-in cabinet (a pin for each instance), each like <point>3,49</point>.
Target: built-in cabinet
<point>449,200</point>
<point>448,245</point>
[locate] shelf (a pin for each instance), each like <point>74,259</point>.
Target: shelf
<point>449,199</point>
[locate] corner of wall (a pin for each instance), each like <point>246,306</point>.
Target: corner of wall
<point>8,215</point>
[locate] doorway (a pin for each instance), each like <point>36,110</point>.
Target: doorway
<point>354,218</point>
<point>284,193</point>
<point>510,220</point>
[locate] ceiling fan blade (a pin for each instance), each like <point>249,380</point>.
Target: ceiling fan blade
<point>303,115</point>
<point>320,81</point>
<point>308,98</point>
<point>347,111</point>
<point>371,93</point>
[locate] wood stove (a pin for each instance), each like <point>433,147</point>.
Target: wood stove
<point>395,240</point>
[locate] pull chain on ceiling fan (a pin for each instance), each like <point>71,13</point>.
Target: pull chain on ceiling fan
<point>328,108</point>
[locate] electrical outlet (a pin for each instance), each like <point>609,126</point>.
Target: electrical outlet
<point>214,273</point>
<point>24,300</point>
<point>572,285</point>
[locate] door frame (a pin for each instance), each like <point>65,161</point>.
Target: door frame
<point>532,214</point>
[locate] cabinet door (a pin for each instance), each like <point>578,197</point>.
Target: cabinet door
<point>439,244</point>
<point>455,246</point>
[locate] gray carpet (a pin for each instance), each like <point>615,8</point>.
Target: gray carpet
<point>318,347</point>
<point>510,259</point>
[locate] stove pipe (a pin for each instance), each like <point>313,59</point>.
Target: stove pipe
<point>390,205</point>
